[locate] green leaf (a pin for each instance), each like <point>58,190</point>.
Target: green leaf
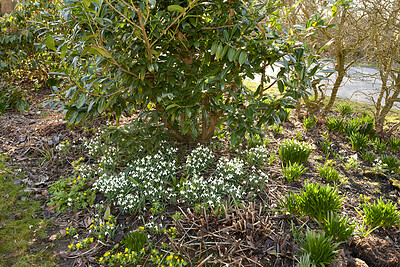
<point>49,42</point>
<point>176,8</point>
<point>81,101</point>
<point>172,106</point>
<point>219,51</point>
<point>98,51</point>
<point>86,3</point>
<point>102,106</point>
<point>233,138</point>
<point>224,51</point>
<point>242,57</point>
<point>231,53</point>
<point>214,47</point>
<point>63,50</point>
<point>107,213</point>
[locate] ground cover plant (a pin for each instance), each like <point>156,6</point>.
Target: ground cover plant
<point>174,161</point>
<point>20,225</point>
<point>143,203</point>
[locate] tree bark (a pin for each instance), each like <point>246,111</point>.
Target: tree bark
<point>341,71</point>
<point>7,6</point>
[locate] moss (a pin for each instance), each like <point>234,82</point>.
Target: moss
<point>20,225</point>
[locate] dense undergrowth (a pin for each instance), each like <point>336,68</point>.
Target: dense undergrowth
<point>163,184</point>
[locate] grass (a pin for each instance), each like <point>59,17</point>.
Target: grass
<point>19,224</point>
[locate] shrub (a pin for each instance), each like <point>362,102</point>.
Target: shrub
<point>181,61</point>
<point>359,141</point>
<point>379,214</point>
<point>394,144</point>
<point>321,249</point>
<point>284,114</point>
<point>256,141</point>
<point>328,173</point>
<point>22,56</point>
<point>309,122</point>
<point>293,151</point>
<point>337,227</point>
<point>292,172</point>
<point>13,97</point>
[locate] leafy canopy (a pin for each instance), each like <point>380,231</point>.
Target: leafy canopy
<point>181,63</point>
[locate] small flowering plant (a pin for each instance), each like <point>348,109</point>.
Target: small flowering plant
<point>157,208</point>
<point>170,260</point>
<point>71,231</point>
<point>199,159</point>
<point>257,155</point>
<point>103,229</point>
<point>71,193</point>
<point>64,146</point>
<point>145,179</point>
<point>82,244</point>
<point>122,258</point>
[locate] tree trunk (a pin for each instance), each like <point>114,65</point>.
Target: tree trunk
<point>340,75</point>
<point>7,6</point>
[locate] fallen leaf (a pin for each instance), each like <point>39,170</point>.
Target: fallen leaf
<point>63,232</point>
<point>53,237</point>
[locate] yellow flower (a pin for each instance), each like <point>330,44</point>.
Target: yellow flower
<point>101,259</point>
<point>91,239</point>
<point>70,246</point>
<point>78,245</point>
<point>99,236</point>
<point>126,249</point>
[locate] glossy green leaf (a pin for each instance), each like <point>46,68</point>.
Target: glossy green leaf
<point>176,8</point>
<point>49,42</point>
<point>242,57</point>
